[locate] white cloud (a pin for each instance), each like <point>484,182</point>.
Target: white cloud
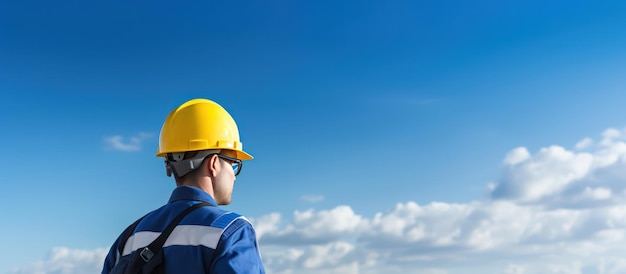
<point>546,173</point>
<point>517,156</point>
<point>555,211</point>
<point>584,143</point>
<point>612,265</point>
<point>610,134</point>
<point>599,193</point>
<point>555,176</point>
<point>522,238</point>
<point>574,268</point>
<point>121,143</point>
<point>309,226</point>
<point>63,260</point>
<point>514,269</point>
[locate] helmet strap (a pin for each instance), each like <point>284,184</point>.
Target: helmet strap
<point>174,162</point>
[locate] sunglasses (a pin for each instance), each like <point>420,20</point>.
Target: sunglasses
<point>235,163</point>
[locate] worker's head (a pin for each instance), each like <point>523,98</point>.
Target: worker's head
<point>200,143</point>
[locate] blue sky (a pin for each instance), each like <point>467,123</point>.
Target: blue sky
<point>365,118</point>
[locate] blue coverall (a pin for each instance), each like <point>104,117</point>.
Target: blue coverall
<point>207,240</point>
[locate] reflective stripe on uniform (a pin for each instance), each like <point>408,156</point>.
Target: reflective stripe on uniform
<point>184,235</point>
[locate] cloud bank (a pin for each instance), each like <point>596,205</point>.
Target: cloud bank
<point>63,260</point>
<point>556,210</point>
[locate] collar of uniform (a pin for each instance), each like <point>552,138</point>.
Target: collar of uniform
<point>191,193</point>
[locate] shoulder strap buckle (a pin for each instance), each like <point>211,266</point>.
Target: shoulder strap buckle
<point>146,254</point>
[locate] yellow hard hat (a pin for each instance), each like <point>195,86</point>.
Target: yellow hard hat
<point>200,124</point>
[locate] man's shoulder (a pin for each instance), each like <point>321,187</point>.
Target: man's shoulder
<point>227,221</point>
<point>215,216</point>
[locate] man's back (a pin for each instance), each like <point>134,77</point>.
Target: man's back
<point>208,240</point>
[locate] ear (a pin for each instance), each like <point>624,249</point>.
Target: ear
<point>213,165</point>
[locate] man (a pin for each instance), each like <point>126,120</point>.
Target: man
<point>200,143</point>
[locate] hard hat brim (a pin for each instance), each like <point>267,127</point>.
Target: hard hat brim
<point>239,154</point>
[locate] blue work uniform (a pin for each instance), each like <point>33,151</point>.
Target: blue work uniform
<point>207,240</point>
